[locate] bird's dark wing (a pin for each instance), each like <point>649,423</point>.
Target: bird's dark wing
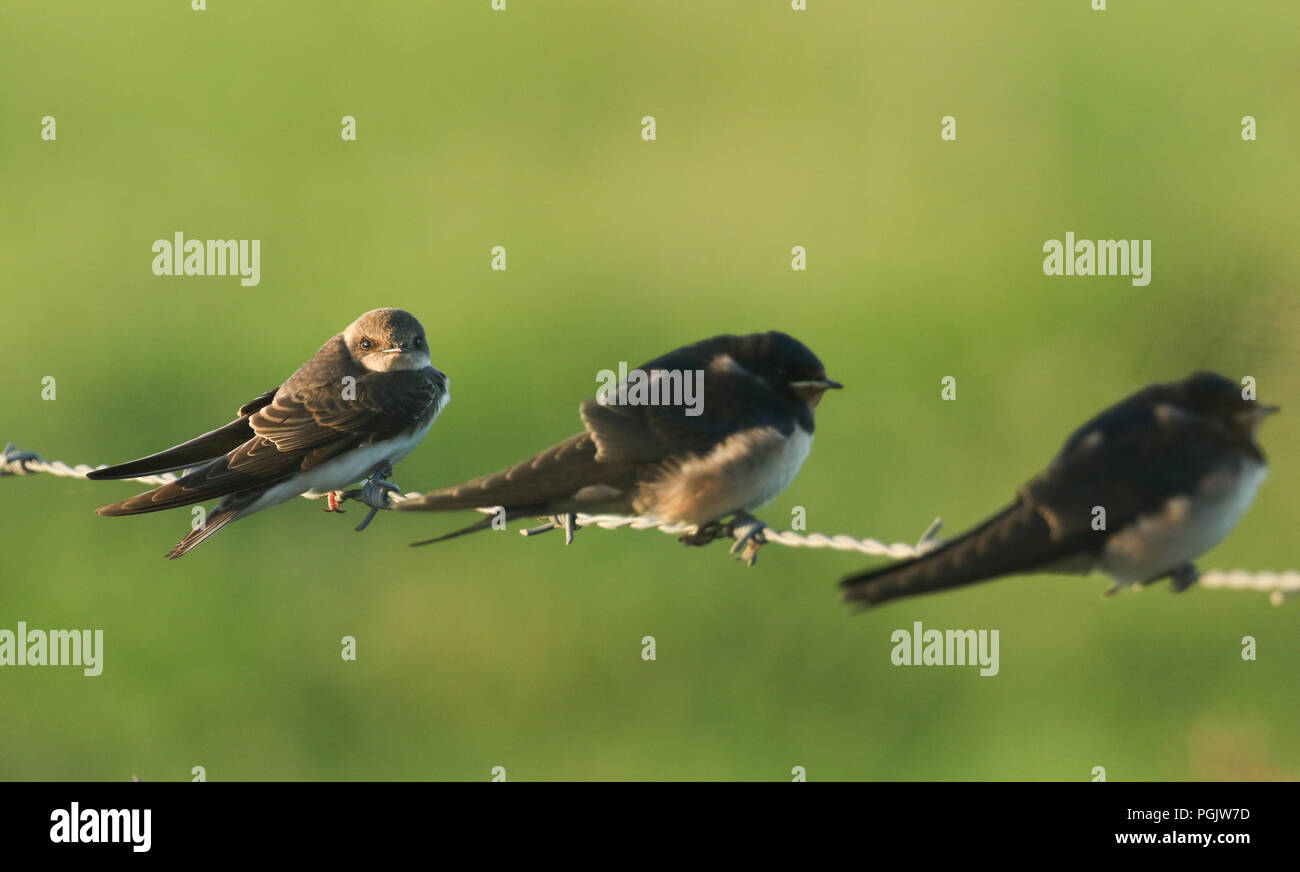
<point>198,450</point>
<point>597,469</point>
<point>728,400</point>
<point>300,429</point>
<point>1129,461</point>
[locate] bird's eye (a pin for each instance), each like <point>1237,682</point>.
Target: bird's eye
<point>418,343</point>
<point>365,343</point>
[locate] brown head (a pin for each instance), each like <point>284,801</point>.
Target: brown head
<point>387,339</point>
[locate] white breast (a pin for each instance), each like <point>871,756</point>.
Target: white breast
<point>745,471</point>
<point>1186,528</point>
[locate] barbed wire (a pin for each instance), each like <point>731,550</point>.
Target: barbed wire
<point>1280,585</point>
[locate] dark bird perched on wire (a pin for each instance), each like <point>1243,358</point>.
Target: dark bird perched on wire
<point>1138,492</point>
<point>659,461</point>
<point>358,406</point>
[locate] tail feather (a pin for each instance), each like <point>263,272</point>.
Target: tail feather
<point>565,477</point>
<point>167,496</point>
<point>197,486</point>
<point>198,450</point>
<point>1014,540</point>
<point>548,478</point>
<point>212,480</point>
<point>483,524</point>
<point>218,519</point>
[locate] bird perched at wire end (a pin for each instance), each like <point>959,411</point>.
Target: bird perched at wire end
<point>1138,492</point>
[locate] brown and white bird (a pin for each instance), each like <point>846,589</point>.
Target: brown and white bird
<point>359,405</point>
<point>1138,493</point>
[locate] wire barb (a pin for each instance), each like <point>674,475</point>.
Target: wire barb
<point>1281,586</point>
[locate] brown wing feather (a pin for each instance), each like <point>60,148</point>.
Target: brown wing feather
<point>545,482</point>
<point>296,431</point>
<point>203,448</point>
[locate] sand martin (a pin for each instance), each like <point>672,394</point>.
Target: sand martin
<point>740,449</point>
<point>1138,492</point>
<point>358,406</point>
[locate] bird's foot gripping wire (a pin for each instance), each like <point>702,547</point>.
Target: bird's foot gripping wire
<point>743,527</point>
<point>705,534</point>
<point>748,531</point>
<point>333,500</point>
<point>375,491</point>
<point>1180,579</point>
<point>1183,577</point>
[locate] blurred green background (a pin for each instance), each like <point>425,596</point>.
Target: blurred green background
<point>775,128</point>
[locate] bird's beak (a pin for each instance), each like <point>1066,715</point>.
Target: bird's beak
<point>816,384</point>
<point>1258,411</point>
<point>811,390</point>
<point>394,350</point>
<point>1250,417</point>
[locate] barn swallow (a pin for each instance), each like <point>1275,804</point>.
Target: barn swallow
<point>359,405</point>
<point>661,462</point>
<point>1138,493</point>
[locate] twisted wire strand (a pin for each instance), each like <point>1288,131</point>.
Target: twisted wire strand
<point>789,538</point>
<point>1280,585</point>
<point>17,462</point>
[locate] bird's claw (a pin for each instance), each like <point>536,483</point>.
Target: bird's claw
<point>748,531</point>
<point>1183,577</point>
<point>333,500</point>
<point>743,527</point>
<point>1180,579</point>
<point>705,534</point>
